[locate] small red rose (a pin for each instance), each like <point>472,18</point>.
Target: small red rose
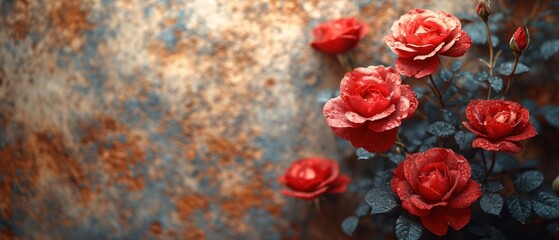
<point>309,178</point>
<point>498,124</point>
<point>483,9</point>
<point>371,106</point>
<point>435,186</point>
<point>338,36</point>
<point>520,40</point>
<point>420,36</point>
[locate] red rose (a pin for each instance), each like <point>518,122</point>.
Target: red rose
<point>498,124</point>
<point>310,177</point>
<point>371,106</point>
<point>419,36</point>
<point>338,36</point>
<point>520,40</point>
<point>483,10</point>
<point>436,186</point>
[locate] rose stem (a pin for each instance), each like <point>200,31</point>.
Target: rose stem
<point>401,145</point>
<point>437,91</point>
<point>344,61</point>
<point>511,76</point>
<point>484,163</point>
<point>491,63</point>
<point>493,155</point>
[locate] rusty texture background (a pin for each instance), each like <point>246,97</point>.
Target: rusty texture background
<point>165,119</point>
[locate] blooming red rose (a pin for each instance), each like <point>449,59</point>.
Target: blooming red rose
<point>498,124</point>
<point>371,106</point>
<point>310,177</point>
<point>338,36</point>
<point>435,186</point>
<point>420,36</point>
<point>520,40</point>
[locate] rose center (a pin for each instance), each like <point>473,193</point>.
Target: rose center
<point>433,184</point>
<point>306,173</point>
<point>505,116</point>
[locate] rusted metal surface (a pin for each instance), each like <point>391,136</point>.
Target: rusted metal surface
<point>166,119</point>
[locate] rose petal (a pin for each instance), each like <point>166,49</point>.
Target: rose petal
<point>467,196</point>
<point>339,185</point>
<point>364,138</point>
<point>335,112</point>
<point>528,132</point>
<point>304,195</point>
<point>439,218</point>
<point>504,146</point>
<point>417,68</point>
<point>419,203</point>
<point>460,47</point>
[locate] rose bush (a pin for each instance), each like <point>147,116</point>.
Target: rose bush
<point>371,106</point>
<point>436,186</point>
<point>420,36</point>
<point>338,36</point>
<point>311,177</point>
<point>498,124</point>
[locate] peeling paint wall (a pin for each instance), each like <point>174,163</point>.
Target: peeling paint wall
<point>166,118</point>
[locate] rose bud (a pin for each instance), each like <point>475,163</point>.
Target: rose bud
<point>338,36</point>
<point>372,104</point>
<point>309,178</point>
<point>498,124</point>
<point>420,36</point>
<point>483,9</point>
<point>436,186</point>
<point>520,40</point>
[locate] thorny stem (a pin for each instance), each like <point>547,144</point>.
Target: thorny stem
<point>491,57</point>
<point>437,91</point>
<point>344,61</point>
<point>511,75</point>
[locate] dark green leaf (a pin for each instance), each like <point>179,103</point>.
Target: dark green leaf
<point>464,139</point>
<point>446,74</point>
<point>546,205</point>
<point>408,229</point>
<point>396,158</point>
<point>381,200</point>
<point>363,209</point>
<point>528,181</point>
<point>549,48</point>
<point>456,65</point>
<point>441,129</point>
<point>363,154</point>
<point>478,173</point>
<point>349,225</point>
<point>519,208</point>
<point>451,117</point>
<point>450,92</point>
<point>506,68</point>
<point>477,33</point>
<point>382,178</point>
<point>491,203</point>
<point>496,83</point>
<point>551,114</point>
<point>493,187</point>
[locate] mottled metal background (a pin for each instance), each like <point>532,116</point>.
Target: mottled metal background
<point>168,118</point>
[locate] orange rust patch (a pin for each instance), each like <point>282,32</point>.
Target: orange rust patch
<point>19,20</point>
<point>190,203</point>
<point>155,228</point>
<point>253,195</point>
<point>70,21</point>
<point>120,157</point>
